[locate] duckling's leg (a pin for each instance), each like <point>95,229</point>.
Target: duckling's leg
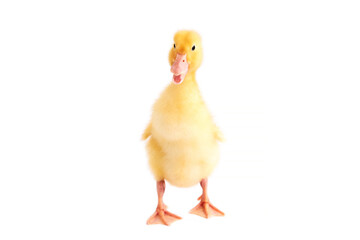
<point>205,208</point>
<point>161,215</point>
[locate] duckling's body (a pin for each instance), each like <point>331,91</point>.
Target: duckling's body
<point>182,146</point>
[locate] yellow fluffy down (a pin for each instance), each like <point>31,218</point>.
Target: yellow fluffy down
<point>182,147</point>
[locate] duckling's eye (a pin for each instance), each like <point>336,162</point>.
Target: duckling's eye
<point>174,45</point>
<point>193,48</point>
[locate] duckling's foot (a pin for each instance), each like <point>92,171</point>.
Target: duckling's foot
<point>162,216</point>
<point>205,208</point>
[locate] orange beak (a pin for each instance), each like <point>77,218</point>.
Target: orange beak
<point>179,68</point>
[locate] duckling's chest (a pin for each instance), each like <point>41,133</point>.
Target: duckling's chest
<point>175,122</point>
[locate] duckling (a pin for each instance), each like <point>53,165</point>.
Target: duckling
<point>183,140</point>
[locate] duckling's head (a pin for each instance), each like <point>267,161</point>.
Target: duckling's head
<point>185,55</point>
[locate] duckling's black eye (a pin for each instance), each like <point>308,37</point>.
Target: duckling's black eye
<point>193,48</point>
<point>174,45</point>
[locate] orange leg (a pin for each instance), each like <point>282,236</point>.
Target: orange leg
<point>205,208</point>
<point>161,215</point>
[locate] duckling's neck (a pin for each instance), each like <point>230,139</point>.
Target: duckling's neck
<point>187,86</point>
<point>187,91</point>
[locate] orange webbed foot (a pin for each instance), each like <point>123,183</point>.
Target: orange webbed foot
<point>162,216</point>
<point>206,209</point>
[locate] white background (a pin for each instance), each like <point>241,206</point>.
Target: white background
<point>77,82</point>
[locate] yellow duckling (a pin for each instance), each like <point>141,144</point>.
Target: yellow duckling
<point>182,147</point>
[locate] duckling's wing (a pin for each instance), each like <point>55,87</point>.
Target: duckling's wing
<point>147,132</point>
<point>218,134</point>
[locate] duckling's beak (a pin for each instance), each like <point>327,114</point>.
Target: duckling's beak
<point>179,68</point>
